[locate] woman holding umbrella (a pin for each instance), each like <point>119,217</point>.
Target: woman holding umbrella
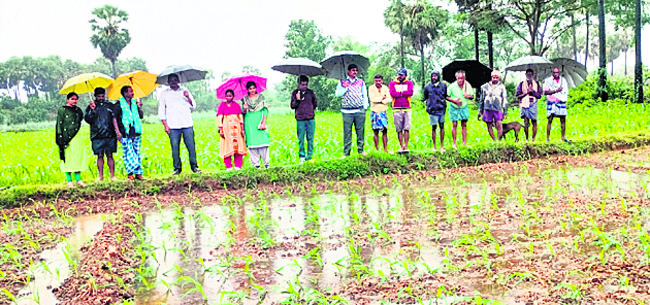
<point>255,112</point>
<point>231,129</point>
<point>72,148</point>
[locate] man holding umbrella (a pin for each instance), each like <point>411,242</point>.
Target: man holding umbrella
<point>129,115</point>
<point>557,91</point>
<point>304,102</point>
<point>100,115</point>
<point>528,92</point>
<point>175,107</point>
<point>354,105</point>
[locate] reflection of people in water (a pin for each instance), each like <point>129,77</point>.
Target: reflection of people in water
<point>241,234</point>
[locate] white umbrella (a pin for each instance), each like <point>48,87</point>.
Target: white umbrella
<point>186,73</point>
<point>299,66</point>
<point>529,62</point>
<point>337,64</point>
<point>574,72</point>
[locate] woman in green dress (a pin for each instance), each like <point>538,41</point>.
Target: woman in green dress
<point>257,138</point>
<point>72,147</point>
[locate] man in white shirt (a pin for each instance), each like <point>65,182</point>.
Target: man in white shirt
<point>557,92</point>
<point>175,111</point>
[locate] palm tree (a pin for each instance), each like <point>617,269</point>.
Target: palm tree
<point>394,19</point>
<point>423,24</point>
<point>108,36</point>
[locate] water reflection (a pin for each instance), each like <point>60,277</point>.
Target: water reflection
<point>54,267</point>
<point>244,251</point>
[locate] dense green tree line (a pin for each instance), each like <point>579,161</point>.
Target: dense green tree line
<point>430,36</point>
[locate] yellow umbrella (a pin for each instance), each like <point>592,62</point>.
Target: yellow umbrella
<point>143,83</point>
<point>86,82</point>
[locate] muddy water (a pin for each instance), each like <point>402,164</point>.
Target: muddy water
<point>256,251</point>
<point>54,265</point>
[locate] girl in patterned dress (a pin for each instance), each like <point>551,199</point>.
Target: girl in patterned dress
<point>231,129</point>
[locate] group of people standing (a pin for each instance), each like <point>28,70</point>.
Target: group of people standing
<point>438,97</point>
<point>243,128</point>
<point>109,123</point>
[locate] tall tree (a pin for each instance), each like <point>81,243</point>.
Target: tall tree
<point>108,35</point>
<point>394,20</point>
<point>587,36</point>
<point>574,41</point>
<point>423,25</point>
<point>305,39</point>
<point>537,18</point>
<point>638,67</point>
<point>602,69</point>
<point>482,16</point>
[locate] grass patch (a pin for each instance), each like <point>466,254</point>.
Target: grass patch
<point>338,169</point>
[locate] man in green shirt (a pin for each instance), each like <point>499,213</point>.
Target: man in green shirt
<point>459,93</point>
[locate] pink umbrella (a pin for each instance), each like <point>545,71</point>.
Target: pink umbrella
<point>238,84</point>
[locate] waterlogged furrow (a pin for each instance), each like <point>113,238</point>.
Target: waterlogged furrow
<point>529,232</point>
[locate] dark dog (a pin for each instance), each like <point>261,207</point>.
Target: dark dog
<point>507,127</point>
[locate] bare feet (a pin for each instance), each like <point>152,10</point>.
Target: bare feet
<point>81,183</point>
<point>364,153</point>
<point>442,149</point>
<point>70,184</point>
<point>113,178</point>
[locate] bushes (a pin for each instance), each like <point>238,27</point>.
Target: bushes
<point>13,112</point>
<point>619,88</point>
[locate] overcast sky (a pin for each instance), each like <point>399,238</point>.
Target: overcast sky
<point>222,35</point>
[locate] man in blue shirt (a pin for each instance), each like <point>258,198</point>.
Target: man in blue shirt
<point>435,96</point>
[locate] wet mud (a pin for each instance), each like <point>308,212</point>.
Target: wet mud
<point>560,230</point>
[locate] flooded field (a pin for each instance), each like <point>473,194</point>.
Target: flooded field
<point>571,230</point>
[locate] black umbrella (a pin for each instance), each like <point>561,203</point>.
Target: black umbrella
<point>186,73</point>
<point>299,66</point>
<point>337,64</point>
<point>476,73</point>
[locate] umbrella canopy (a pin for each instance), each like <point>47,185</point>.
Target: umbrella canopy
<point>143,83</point>
<point>86,82</point>
<point>529,62</point>
<point>238,84</point>
<point>186,73</point>
<point>337,64</point>
<point>299,66</point>
<point>476,73</point>
<point>574,72</point>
